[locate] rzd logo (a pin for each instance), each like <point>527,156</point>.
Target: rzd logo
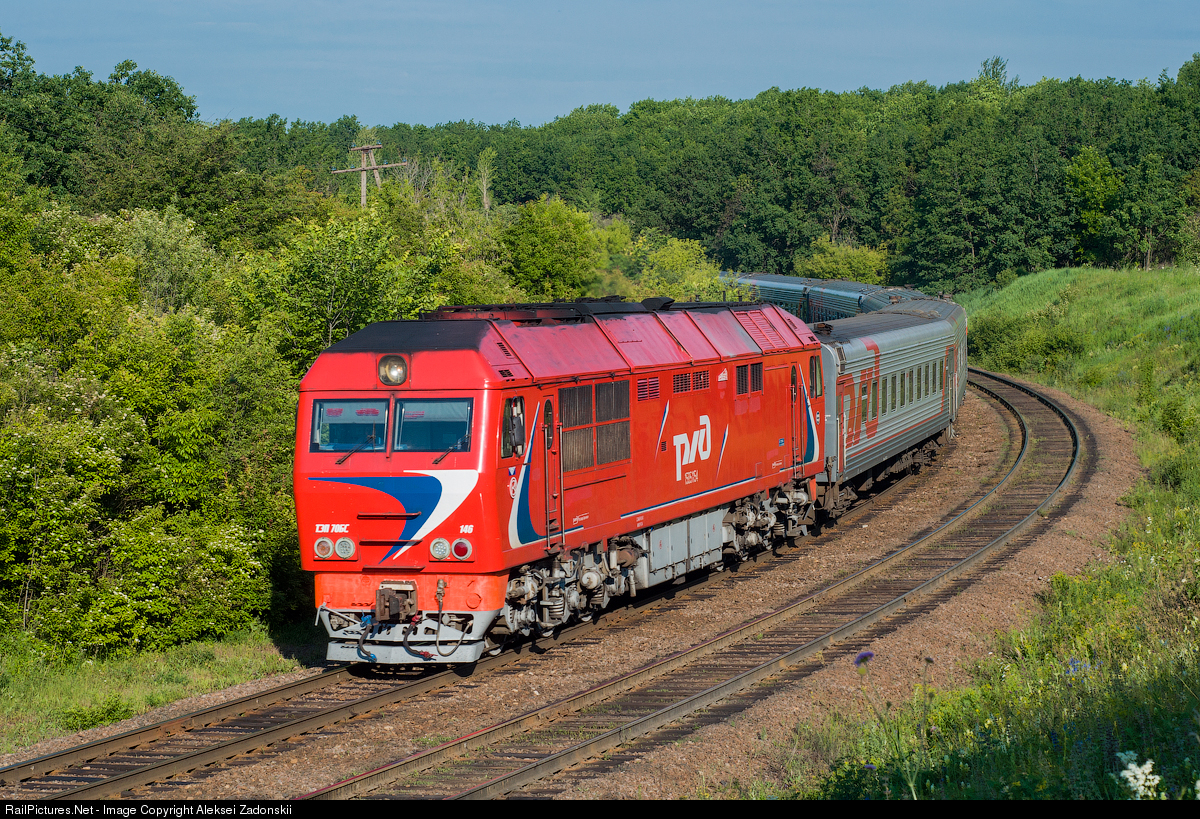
<point>686,449</point>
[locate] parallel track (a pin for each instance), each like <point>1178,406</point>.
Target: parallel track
<point>106,768</point>
<point>752,661</point>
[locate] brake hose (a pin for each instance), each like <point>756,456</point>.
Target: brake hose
<point>437,645</point>
<point>362,639</point>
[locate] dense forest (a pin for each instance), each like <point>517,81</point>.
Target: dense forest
<point>165,282</point>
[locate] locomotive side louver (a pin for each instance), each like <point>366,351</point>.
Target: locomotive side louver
<point>647,389</point>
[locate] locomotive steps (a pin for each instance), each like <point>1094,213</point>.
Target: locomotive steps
<point>260,727</point>
<point>730,671</point>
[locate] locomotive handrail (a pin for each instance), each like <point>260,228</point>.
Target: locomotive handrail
<point>642,725</point>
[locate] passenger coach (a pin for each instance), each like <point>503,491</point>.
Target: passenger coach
<point>491,472</point>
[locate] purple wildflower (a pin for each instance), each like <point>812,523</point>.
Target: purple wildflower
<point>863,658</point>
<point>869,766</point>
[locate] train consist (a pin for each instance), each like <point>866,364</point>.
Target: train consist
<point>491,472</point>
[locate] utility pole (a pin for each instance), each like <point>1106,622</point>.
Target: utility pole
<point>364,151</point>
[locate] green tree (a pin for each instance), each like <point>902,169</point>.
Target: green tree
<point>553,249</point>
<point>681,270</point>
<point>839,261</point>
<point>1093,185</point>
<point>329,281</point>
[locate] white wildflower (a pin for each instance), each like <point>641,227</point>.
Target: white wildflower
<point>1142,784</point>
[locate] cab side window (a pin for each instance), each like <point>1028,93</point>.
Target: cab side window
<point>512,433</point>
<point>816,385</point>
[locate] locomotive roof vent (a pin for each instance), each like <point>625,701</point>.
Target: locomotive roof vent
<point>823,329</point>
<point>657,303</point>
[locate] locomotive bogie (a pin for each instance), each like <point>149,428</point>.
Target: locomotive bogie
<point>502,471</point>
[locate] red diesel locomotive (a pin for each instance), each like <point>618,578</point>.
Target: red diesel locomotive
<point>491,472</point>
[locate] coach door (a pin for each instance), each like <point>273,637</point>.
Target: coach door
<point>553,472</point>
<point>952,382</point>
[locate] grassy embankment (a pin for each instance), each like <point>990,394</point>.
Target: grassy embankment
<point>1111,662</point>
<point>44,696</point>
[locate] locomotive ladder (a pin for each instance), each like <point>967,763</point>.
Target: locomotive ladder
<point>726,673</point>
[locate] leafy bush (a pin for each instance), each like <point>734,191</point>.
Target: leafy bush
<point>1181,473</point>
<point>1175,417</point>
<point>113,709</point>
<point>1022,344</point>
<point>829,260</point>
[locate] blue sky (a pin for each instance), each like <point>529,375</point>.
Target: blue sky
<point>533,60</point>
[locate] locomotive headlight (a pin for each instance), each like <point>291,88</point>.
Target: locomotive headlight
<point>440,549</point>
<point>344,548</point>
<point>461,548</point>
<point>393,370</point>
<point>323,548</point>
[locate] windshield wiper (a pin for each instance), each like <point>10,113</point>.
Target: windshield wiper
<point>466,437</point>
<point>370,440</point>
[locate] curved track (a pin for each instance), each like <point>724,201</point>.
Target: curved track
<point>730,671</point>
<point>109,767</point>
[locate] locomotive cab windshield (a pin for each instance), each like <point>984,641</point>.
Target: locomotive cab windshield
<point>489,473</point>
<point>433,425</point>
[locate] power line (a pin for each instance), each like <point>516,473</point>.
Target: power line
<point>368,151</point>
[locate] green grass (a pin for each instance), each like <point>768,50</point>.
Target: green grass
<point>45,695</point>
<point>1111,661</point>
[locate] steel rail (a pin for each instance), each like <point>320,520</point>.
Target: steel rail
<point>381,776</point>
<point>113,786</point>
<point>98,749</point>
<point>214,753</point>
<point>196,719</point>
<point>267,736</point>
<point>553,763</point>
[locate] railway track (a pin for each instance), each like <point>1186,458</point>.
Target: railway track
<point>110,767</point>
<point>734,669</point>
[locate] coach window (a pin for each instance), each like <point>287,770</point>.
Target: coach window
<point>862,403</point>
<point>893,393</point>
<point>874,399</point>
<point>883,398</point>
<point>927,379</point>
<point>512,431</point>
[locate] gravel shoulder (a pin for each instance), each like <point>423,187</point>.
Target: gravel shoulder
<point>954,634</point>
